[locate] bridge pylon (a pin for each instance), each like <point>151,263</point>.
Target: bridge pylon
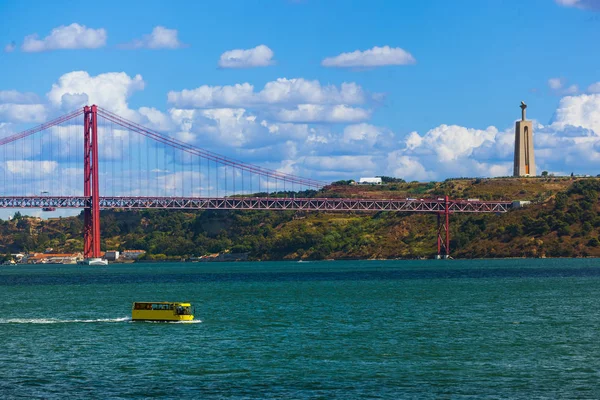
<point>443,231</point>
<point>91,212</point>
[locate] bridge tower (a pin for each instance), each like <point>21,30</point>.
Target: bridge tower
<point>443,231</point>
<point>91,212</point>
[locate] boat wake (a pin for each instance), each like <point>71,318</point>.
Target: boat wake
<point>196,321</point>
<point>60,321</point>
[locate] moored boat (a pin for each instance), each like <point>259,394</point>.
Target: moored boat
<point>93,261</point>
<point>161,311</point>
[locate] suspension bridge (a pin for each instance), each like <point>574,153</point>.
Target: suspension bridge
<point>110,162</point>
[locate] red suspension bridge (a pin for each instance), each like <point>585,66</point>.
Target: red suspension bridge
<point>56,165</point>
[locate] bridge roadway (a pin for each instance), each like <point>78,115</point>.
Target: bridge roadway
<point>261,203</point>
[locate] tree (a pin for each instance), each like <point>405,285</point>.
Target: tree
<point>342,183</point>
<point>544,173</point>
<point>389,179</point>
<point>560,201</point>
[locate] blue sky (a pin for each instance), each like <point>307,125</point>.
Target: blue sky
<point>440,103</point>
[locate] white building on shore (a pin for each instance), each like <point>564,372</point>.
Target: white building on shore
<point>370,181</point>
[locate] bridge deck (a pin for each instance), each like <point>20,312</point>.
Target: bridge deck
<point>259,203</point>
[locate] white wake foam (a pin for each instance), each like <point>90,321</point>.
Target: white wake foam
<point>196,321</point>
<point>59,321</point>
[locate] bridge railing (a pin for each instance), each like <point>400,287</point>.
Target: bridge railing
<point>260,203</point>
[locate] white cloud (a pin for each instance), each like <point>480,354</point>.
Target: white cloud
<point>584,4</point>
<point>579,111</point>
<point>555,83</point>
<point>363,135</point>
<point>219,127</point>
<point>259,56</point>
<point>375,57</point>
<point>280,127</point>
<point>450,142</point>
<point>24,167</point>
<point>74,36</point>
<point>319,113</point>
<point>572,89</point>
<point>406,167</point>
<point>594,88</point>
<point>360,132</point>
<point>156,118</point>
<point>283,91</point>
<point>9,48</point>
<point>358,164</point>
<point>453,151</point>
<point>23,113</point>
<point>160,38</point>
<point>12,96</point>
<point>109,90</point>
<point>571,143</point>
<point>236,128</point>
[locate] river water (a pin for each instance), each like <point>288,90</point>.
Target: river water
<point>330,330</point>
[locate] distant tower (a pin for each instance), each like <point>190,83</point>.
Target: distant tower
<point>524,158</point>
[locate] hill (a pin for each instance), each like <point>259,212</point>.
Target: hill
<point>562,222</point>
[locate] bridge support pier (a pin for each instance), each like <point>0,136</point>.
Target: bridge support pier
<point>443,231</point>
<point>91,212</point>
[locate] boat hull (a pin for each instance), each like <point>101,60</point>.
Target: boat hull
<point>93,261</point>
<point>162,311</point>
<point>167,315</point>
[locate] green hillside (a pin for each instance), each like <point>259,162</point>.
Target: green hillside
<point>563,221</point>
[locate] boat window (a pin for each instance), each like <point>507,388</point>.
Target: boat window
<point>181,310</point>
<point>162,307</point>
<point>153,306</point>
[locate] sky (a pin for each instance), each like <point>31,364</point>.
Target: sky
<point>326,89</point>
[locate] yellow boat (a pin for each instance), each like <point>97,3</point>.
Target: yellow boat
<point>161,311</point>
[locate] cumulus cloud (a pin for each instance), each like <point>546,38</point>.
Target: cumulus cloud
<point>283,91</point>
<point>594,88</point>
<point>109,90</point>
<point>24,167</point>
<point>375,57</point>
<point>359,164</point>
<point>407,167</point>
<point>572,89</point>
<point>570,143</point>
<point>322,113</point>
<point>13,96</point>
<point>156,118</point>
<point>237,128</point>
<point>17,107</point>
<point>24,113</point>
<point>74,36</point>
<point>581,111</point>
<point>222,127</point>
<point>583,4</point>
<point>292,125</point>
<point>259,56</point>
<point>557,85</point>
<point>160,38</point>
<point>450,142</point>
<point>359,137</point>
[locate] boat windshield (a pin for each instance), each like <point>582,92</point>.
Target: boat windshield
<point>183,310</point>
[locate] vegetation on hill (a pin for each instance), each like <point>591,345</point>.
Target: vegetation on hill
<point>563,221</point>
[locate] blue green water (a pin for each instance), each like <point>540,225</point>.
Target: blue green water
<point>329,330</point>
